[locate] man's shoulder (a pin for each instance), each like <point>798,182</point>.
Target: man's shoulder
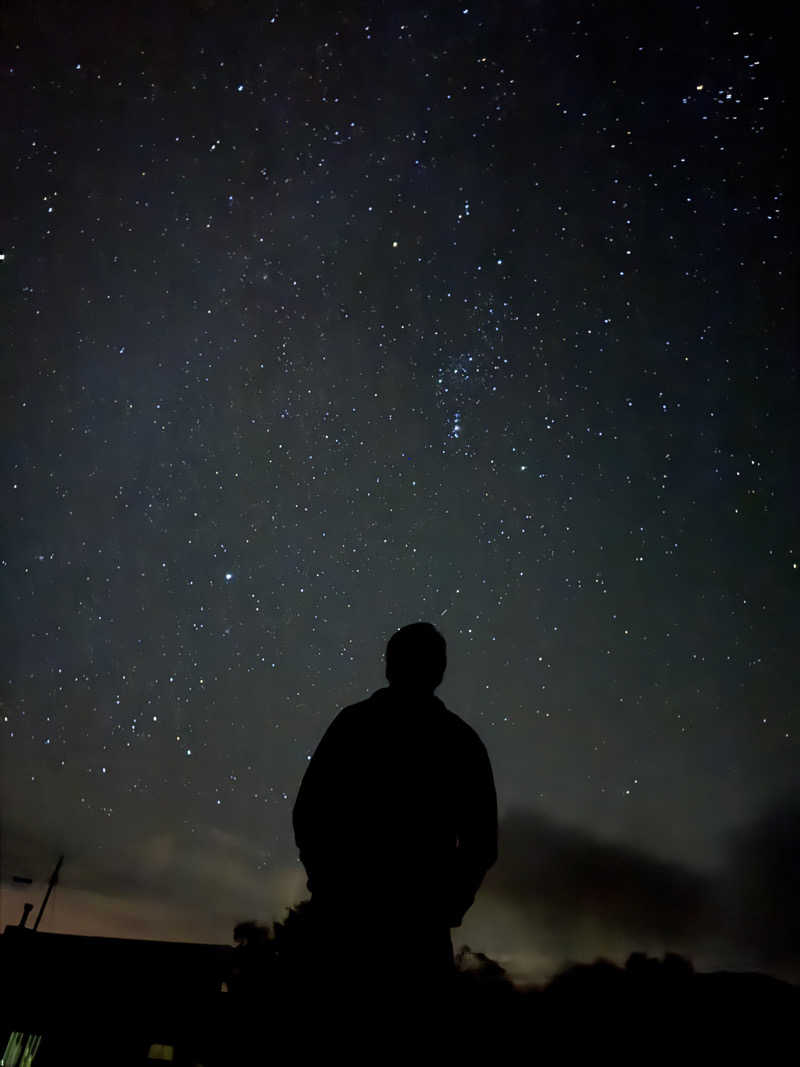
<point>356,710</point>
<point>467,732</point>
<point>451,724</point>
<point>352,714</point>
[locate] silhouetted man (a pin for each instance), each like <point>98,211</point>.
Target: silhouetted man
<point>396,824</point>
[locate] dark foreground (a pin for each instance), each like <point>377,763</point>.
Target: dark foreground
<point>95,1001</point>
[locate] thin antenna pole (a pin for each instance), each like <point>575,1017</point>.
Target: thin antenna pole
<point>53,881</point>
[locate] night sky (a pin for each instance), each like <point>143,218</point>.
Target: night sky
<point>319,320</point>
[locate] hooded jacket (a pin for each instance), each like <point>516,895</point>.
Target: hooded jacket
<point>397,810</point>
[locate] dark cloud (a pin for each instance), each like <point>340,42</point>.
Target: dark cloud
<point>571,887</point>
<point>563,877</point>
<point>760,896</point>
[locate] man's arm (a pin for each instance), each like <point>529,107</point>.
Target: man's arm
<point>315,798</point>
<point>477,831</point>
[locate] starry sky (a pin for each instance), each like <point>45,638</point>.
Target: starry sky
<point>321,319</point>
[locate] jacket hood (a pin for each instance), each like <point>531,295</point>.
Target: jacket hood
<point>388,695</point>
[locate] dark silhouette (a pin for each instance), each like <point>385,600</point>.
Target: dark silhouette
<point>253,964</point>
<point>664,1000</point>
<point>396,825</point>
<point>106,1000</point>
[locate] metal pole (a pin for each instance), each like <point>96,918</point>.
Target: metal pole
<point>53,881</point>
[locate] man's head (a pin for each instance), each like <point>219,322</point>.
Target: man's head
<point>416,658</point>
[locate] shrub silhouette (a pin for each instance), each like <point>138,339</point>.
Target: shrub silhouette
<point>275,958</point>
<point>271,975</point>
